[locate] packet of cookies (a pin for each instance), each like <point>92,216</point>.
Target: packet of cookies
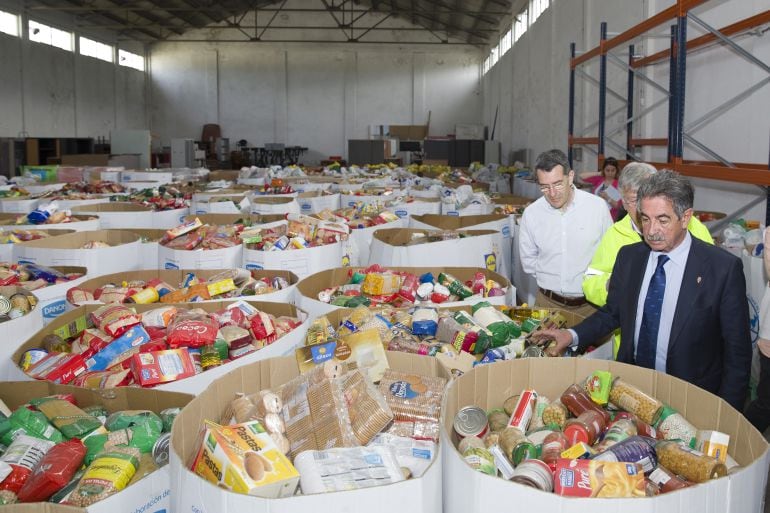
<point>243,458</point>
<point>594,478</point>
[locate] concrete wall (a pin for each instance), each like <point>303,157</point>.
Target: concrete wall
<point>530,84</point>
<point>48,92</point>
<point>310,95</point>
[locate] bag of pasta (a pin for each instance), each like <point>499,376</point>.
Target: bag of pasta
<point>108,474</point>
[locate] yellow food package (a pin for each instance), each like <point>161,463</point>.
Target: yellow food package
<point>378,284</point>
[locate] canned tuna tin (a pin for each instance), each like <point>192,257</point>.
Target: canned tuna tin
<point>160,449</point>
<point>471,421</point>
<point>534,473</point>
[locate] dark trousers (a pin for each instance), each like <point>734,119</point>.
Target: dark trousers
<point>758,411</point>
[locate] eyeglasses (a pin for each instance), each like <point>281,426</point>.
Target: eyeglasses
<point>554,187</point>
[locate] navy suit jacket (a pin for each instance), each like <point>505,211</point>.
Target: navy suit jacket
<point>710,343</point>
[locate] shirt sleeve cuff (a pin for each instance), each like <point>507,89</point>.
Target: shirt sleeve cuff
<point>575,339</point>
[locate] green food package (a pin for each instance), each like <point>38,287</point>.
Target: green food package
<point>598,386</point>
<point>129,418</point>
<point>141,436</point>
<point>168,416</point>
<point>68,418</point>
<point>33,423</point>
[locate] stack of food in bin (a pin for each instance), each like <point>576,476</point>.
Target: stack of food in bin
<point>227,284</point>
<point>33,276</point>
<point>54,450</point>
<point>360,215</point>
<point>377,285</point>
<point>299,232</point>
<point>346,422</point>
<point>603,437</point>
<point>164,197</point>
<point>194,235</point>
<point>116,346</point>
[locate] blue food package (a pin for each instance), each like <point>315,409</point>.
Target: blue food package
<point>425,321</point>
<point>133,337</point>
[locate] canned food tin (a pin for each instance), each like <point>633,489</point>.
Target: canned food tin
<point>5,305</point>
<point>533,352</point>
<point>636,449</point>
<point>160,449</point>
<point>31,357</point>
<point>21,302</point>
<point>469,442</point>
<point>534,473</point>
<point>481,460</point>
<point>524,450</point>
<point>471,421</point>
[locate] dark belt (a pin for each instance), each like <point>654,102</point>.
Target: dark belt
<point>566,301</point>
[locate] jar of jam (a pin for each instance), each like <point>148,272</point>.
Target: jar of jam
<point>577,401</point>
<point>585,428</point>
<point>553,445</point>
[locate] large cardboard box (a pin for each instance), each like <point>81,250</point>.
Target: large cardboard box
<point>43,188</point>
<point>118,214</point>
<point>14,332</point>
<point>6,250</point>
<point>474,209</point>
<point>122,255</point>
<point>52,300</point>
<point>152,494</point>
<point>422,192</point>
<point>224,219</point>
<point>488,386</point>
<point>420,495</point>
<point>355,250</point>
<point>72,203</point>
<point>273,205</point>
<point>302,262</point>
<point>225,258</point>
<point>194,384</point>
<point>310,184</point>
<point>408,132</point>
<point>418,207</point>
<point>175,277</point>
<point>162,177</point>
<point>80,223</point>
<point>21,205</point>
<point>370,197</point>
<point>148,246</point>
<point>479,248</point>
<point>316,201</point>
<point>499,223</point>
<point>166,219</point>
<point>232,204</point>
<point>309,287</point>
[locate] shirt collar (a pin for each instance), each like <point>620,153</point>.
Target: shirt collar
<point>679,254</point>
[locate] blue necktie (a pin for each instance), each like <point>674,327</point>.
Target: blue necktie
<point>647,344</point>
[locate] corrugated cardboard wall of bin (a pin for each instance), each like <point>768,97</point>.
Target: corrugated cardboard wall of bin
<point>480,248</point>
<point>488,386</point>
<point>194,384</point>
<point>495,222</point>
<point>80,223</point>
<point>151,493</point>
<point>122,255</point>
<point>14,332</point>
<point>273,205</point>
<point>309,287</point>
<point>192,493</point>
<point>132,215</point>
<point>264,221</point>
<point>358,246</point>
<point>7,250</point>
<point>315,201</point>
<point>174,277</point>
<point>221,205</point>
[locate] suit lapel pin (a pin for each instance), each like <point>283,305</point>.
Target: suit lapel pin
<point>698,280</point>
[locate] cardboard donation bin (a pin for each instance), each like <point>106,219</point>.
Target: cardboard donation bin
<point>121,255</point>
<point>302,262</point>
<point>6,250</point>
<point>223,258</point>
<point>253,219</point>
<point>418,207</point>
<point>77,319</point>
<point>474,209</point>
<point>80,223</point>
<point>316,201</point>
<point>175,277</point>
<point>477,248</point>
<point>118,214</point>
<point>499,223</point>
<point>370,197</point>
<point>358,246</point>
<point>14,332</point>
<point>309,287</point>
<point>52,300</point>
<point>273,205</point>
<point>193,493</point>
<point>152,493</point>
<point>234,204</point>
<point>20,205</point>
<point>487,386</point>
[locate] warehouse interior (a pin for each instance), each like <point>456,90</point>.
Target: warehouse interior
<point>407,97</point>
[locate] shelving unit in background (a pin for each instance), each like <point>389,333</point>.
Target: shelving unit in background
<point>719,168</point>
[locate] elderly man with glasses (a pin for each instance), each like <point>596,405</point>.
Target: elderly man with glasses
<point>558,235</point>
<point>624,232</point>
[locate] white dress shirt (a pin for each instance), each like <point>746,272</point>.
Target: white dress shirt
<point>556,246</point>
<point>674,273</point>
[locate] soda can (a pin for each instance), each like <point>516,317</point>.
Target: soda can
<point>471,421</point>
<point>160,449</point>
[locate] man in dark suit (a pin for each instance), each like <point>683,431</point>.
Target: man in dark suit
<point>680,303</point>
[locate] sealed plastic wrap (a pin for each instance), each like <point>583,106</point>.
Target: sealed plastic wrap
<point>54,471</point>
<point>368,411</point>
<point>108,474</point>
<point>352,468</point>
<point>414,399</point>
<point>23,455</point>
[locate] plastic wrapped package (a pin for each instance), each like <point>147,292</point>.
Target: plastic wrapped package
<point>114,319</point>
<point>54,471</point>
<point>368,410</point>
<point>414,398</point>
<point>23,455</point>
<point>108,474</point>
<point>192,329</point>
<point>347,469</point>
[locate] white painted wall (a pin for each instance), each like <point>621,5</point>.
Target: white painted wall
<point>317,96</point>
<point>530,83</point>
<point>48,92</point>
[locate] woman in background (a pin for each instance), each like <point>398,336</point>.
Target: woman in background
<point>605,185</point>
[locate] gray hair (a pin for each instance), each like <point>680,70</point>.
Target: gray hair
<point>634,174</point>
<point>670,185</point>
<point>548,160</point>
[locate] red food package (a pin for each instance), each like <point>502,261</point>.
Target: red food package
<point>262,328</point>
<point>155,333</point>
<point>78,296</point>
<point>65,370</point>
<point>593,478</point>
<point>188,242</point>
<point>162,366</point>
<point>409,286</point>
<point>154,345</point>
<point>53,472</point>
<point>479,283</point>
<point>91,342</point>
<point>110,378</point>
<point>109,295</point>
<point>114,319</point>
<point>23,455</point>
<point>192,330</point>
<point>284,325</point>
<point>231,317</point>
